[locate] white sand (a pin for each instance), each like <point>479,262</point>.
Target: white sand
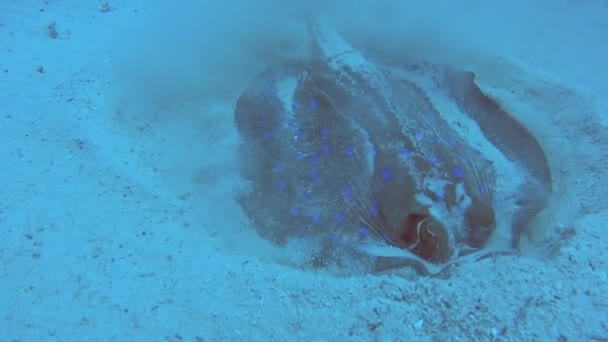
<point>118,166</point>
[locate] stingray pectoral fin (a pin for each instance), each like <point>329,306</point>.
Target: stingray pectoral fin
<point>499,127</point>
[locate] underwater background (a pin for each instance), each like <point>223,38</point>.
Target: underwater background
<point>121,211</point>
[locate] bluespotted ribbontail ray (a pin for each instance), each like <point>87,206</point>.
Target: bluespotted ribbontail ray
<point>345,152</point>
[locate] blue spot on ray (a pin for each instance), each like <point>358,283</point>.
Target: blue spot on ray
<point>325,133</point>
<point>282,185</point>
<point>340,218</point>
<point>349,151</point>
<point>458,172</point>
<point>364,231</point>
<point>277,169</point>
<point>294,212</point>
<point>315,158</point>
<point>387,175</point>
<point>313,104</point>
<point>405,153</point>
<point>374,210</point>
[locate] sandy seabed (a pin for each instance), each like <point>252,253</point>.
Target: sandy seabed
<point>118,218</point>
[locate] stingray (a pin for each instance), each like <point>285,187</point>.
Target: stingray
<point>354,157</point>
